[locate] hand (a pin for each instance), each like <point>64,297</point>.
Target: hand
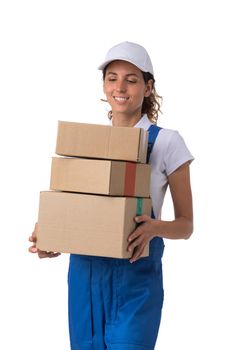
<point>141,236</point>
<point>33,249</point>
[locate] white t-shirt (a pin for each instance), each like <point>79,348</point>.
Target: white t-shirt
<point>168,154</point>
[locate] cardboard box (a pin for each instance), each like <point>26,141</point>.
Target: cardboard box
<point>88,224</point>
<point>102,141</point>
<point>116,178</point>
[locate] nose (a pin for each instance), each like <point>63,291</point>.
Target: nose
<point>120,86</point>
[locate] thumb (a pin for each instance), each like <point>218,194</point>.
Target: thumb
<point>34,233</point>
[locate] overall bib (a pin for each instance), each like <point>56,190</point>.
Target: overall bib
<point>113,304</point>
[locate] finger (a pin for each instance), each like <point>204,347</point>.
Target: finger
<point>142,218</point>
<point>54,255</point>
<point>34,233</point>
<point>135,243</point>
<point>32,239</point>
<point>34,236</point>
<point>33,249</point>
<point>43,254</point>
<point>134,235</point>
<point>136,254</point>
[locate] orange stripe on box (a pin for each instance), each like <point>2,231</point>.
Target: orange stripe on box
<point>130,178</point>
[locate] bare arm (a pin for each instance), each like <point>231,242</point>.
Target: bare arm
<point>180,228</point>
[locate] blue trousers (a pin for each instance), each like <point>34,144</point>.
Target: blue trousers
<point>113,304</point>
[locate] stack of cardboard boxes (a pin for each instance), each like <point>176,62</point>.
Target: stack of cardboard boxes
<point>99,183</point>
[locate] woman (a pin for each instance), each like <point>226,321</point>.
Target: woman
<point>116,304</point>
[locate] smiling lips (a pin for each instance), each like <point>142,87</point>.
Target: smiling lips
<point>120,99</point>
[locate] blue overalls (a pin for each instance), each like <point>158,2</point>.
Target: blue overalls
<point>113,304</point>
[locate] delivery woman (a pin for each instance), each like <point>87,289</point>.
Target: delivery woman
<point>116,304</point>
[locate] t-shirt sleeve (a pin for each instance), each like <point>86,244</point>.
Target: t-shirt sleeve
<point>176,154</point>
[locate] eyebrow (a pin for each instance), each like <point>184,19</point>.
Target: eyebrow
<point>127,75</point>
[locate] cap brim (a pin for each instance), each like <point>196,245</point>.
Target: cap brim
<point>104,64</point>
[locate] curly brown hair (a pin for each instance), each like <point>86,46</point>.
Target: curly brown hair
<point>152,104</point>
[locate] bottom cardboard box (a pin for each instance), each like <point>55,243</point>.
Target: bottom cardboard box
<point>88,224</point>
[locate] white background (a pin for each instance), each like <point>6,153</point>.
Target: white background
<point>49,54</point>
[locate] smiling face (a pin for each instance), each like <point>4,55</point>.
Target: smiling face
<point>125,89</point>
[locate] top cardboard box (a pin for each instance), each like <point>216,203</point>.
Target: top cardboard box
<point>101,141</point>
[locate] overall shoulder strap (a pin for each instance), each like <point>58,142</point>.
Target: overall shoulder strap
<point>153,133</point>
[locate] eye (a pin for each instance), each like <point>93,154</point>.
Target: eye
<point>131,81</point>
<point>111,79</point>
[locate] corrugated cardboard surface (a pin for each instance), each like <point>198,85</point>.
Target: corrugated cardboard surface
<point>87,224</point>
<point>117,178</point>
<point>101,141</point>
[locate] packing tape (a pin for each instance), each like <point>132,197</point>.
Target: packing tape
<point>130,178</point>
<point>139,209</point>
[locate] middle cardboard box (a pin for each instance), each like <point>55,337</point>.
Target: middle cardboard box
<point>108,177</point>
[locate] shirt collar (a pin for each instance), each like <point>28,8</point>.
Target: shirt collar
<point>143,123</point>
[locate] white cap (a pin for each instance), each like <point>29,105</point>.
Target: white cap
<point>130,52</point>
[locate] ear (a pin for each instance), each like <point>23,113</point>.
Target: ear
<point>149,87</point>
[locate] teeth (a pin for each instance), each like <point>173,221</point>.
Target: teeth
<point>120,98</point>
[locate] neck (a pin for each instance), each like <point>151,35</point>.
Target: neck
<point>125,120</point>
